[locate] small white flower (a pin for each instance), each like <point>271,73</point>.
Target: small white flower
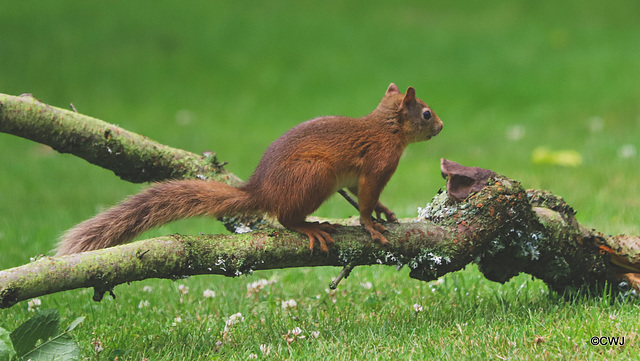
<point>366,285</point>
<point>596,124</point>
<point>97,345</point>
<point>184,117</point>
<point>296,331</point>
<point>233,319</point>
<point>143,304</point>
<point>184,289</point>
<point>289,304</point>
<point>265,349</point>
<point>315,334</point>
<point>627,151</point>
<point>34,304</point>
<point>176,321</point>
<point>253,356</point>
<point>417,307</point>
<point>255,287</point>
<point>516,132</point>
<point>208,293</point>
<point>147,289</point>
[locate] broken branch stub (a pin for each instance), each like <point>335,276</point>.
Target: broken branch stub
<point>507,230</point>
<point>461,180</point>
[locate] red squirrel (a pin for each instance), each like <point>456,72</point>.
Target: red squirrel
<point>296,174</point>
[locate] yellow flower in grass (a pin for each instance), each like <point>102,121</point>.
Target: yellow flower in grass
<point>566,158</point>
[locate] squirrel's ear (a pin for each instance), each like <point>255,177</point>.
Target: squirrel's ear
<point>409,96</point>
<point>393,89</point>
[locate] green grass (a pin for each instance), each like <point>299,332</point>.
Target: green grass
<point>243,73</point>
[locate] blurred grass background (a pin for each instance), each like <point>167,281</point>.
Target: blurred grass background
<point>230,77</point>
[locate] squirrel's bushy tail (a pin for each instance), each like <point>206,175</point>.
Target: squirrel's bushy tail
<point>162,203</point>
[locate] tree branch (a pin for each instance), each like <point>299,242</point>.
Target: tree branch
<point>483,217</point>
<point>130,156</point>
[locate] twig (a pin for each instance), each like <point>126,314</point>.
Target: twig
<point>355,204</point>
<point>344,273</point>
<point>349,199</point>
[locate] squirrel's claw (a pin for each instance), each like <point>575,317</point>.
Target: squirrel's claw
<point>317,232</point>
<point>376,233</point>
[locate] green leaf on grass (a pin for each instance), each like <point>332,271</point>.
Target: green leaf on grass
<point>6,346</point>
<point>39,338</point>
<point>75,323</point>
<point>42,326</point>
<point>59,348</point>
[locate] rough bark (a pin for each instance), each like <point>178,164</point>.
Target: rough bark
<point>483,217</point>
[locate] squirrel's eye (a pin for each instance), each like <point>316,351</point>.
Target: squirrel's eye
<point>426,115</point>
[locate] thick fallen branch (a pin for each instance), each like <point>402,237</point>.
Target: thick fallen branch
<point>130,156</point>
<point>483,217</point>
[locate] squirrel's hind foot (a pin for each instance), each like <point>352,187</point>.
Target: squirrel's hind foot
<point>376,229</point>
<point>317,232</point>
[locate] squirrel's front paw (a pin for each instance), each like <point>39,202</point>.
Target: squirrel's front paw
<point>388,214</point>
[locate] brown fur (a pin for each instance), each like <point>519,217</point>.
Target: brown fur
<point>296,174</point>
